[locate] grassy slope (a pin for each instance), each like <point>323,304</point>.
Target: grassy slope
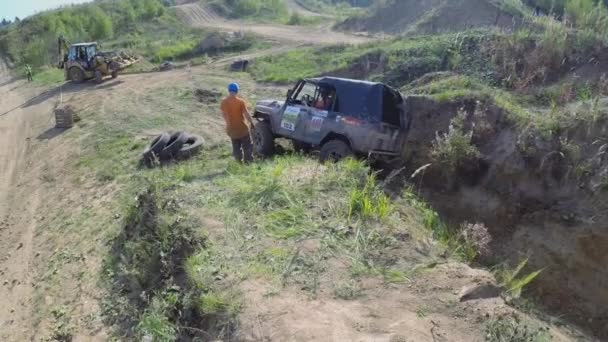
<point>234,223</point>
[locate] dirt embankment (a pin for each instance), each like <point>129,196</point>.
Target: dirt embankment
<point>542,197</point>
<point>432,16</point>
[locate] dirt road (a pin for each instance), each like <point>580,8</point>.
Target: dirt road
<point>19,200</point>
<point>199,16</point>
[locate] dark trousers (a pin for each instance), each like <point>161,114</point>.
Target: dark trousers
<point>242,149</point>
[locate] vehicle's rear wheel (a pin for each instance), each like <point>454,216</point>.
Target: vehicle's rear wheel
<point>76,75</point>
<point>263,139</point>
<point>98,76</point>
<point>335,150</point>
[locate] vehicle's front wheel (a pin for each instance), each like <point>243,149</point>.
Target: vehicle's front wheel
<point>263,139</point>
<point>76,75</point>
<point>98,76</point>
<point>335,150</point>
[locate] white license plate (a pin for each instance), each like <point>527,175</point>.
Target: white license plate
<point>288,126</point>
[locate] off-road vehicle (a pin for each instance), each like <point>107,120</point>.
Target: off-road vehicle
<point>339,116</point>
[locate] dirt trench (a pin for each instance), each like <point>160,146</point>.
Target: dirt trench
<point>545,198</point>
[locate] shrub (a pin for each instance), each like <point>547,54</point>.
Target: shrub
<point>477,240</point>
<point>295,19</point>
<point>454,149</point>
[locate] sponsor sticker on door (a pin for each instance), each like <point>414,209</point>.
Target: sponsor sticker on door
<point>316,123</point>
<point>290,118</point>
<point>321,113</point>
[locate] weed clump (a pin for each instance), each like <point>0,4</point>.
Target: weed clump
<point>512,282</point>
<point>454,149</point>
<point>477,240</point>
<point>513,329</point>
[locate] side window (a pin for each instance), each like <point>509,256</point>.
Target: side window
<point>72,53</point>
<point>307,93</point>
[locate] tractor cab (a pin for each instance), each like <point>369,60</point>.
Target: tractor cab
<point>83,54</point>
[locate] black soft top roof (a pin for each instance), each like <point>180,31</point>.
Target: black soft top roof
<point>357,98</point>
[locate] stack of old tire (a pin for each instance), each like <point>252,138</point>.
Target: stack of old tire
<point>168,147</point>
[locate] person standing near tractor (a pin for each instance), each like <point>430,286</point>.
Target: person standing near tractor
<point>28,73</point>
<point>238,124</point>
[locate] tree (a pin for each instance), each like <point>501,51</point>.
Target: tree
<point>17,20</point>
<point>5,22</point>
<point>100,25</point>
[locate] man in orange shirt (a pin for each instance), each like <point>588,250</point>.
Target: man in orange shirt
<point>238,123</point>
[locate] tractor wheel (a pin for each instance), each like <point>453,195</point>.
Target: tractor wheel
<point>76,75</point>
<point>98,77</point>
<point>263,140</point>
<point>335,150</point>
<point>114,67</point>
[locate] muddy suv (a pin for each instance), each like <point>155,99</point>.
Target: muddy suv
<point>339,116</point>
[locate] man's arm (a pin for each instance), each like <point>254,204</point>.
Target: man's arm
<point>247,115</point>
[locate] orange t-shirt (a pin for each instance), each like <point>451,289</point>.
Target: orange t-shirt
<point>233,108</point>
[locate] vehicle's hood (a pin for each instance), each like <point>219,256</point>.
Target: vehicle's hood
<point>268,106</point>
<point>270,103</point>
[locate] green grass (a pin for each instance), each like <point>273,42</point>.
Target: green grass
<point>155,324</point>
<point>179,50</point>
<point>48,77</point>
<point>406,59</point>
<point>514,329</point>
<point>513,281</point>
<point>369,202</point>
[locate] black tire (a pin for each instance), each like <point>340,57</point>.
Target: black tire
<point>335,150</point>
<point>299,146</point>
<point>191,146</point>
<point>98,77</point>
<point>114,67</point>
<point>76,75</point>
<point>175,143</point>
<point>263,139</point>
<point>156,146</point>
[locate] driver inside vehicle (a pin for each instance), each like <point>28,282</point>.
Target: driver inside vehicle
<point>325,99</point>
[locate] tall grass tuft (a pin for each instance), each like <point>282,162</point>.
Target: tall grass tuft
<point>368,202</point>
<point>511,280</point>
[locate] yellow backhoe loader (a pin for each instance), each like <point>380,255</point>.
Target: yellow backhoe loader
<point>83,61</point>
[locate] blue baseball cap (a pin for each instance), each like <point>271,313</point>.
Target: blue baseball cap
<point>233,88</point>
